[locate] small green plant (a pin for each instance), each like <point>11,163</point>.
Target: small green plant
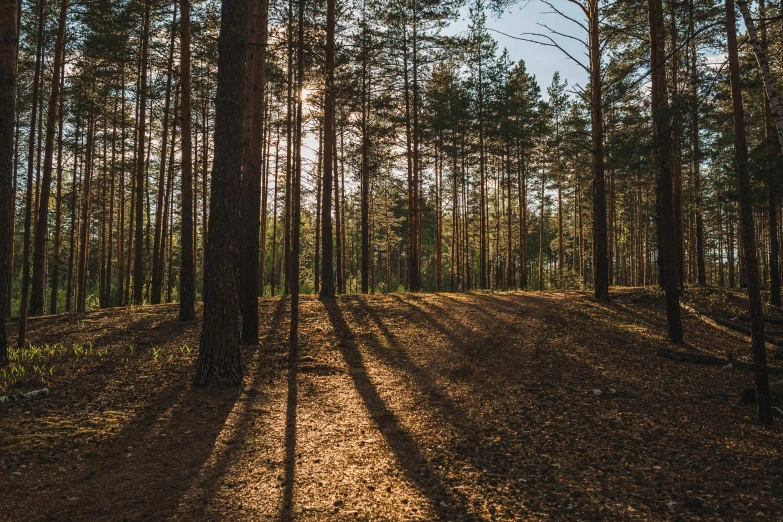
<point>186,350</point>
<point>155,353</point>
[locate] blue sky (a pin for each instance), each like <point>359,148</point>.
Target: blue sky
<point>541,61</point>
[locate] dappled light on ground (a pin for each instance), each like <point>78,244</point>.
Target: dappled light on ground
<point>401,407</point>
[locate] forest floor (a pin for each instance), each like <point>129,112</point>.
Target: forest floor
<point>506,406</point>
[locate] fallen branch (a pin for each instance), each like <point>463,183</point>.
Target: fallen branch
<point>745,329</point>
<point>713,322</point>
<point>710,360</point>
<point>29,396</point>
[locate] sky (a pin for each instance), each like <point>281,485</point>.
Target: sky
<point>541,61</point>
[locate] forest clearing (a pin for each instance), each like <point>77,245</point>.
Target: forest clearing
<point>400,407</point>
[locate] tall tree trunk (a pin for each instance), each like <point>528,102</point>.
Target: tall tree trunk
<point>250,215</point>
<point>338,241</point>
<point>296,191</point>
<point>157,267</point>
<point>219,361</point>
<point>600,241</point>
<point>771,182</point>
<point>365,172</point>
<point>73,241</point>
<point>701,274</point>
<point>662,140</point>
<point>138,261</point>
<point>327,241</point>
<point>187,276</point>
<point>748,227</point>
<point>9,42</point>
<point>676,155</point>
<point>42,225</point>
<point>29,187</point>
<point>58,211</point>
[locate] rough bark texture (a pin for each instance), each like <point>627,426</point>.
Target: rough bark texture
<point>9,40</point>
<point>219,361</point>
<point>748,228</point>
<point>251,179</point>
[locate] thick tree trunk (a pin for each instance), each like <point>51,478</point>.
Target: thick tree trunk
<point>748,228</point>
<point>251,179</point>
<point>219,361</point>
<point>662,139</point>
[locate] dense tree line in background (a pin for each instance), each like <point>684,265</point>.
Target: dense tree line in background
<point>362,146</point>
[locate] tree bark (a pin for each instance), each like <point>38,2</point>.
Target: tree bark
<point>327,240</point>
<point>29,187</point>
<point>600,240</point>
<point>187,277</point>
<point>138,260</point>
<point>9,42</point>
<point>42,225</point>
<point>157,267</point>
<point>251,179</point>
<point>219,361</point>
<point>748,228</point>
<point>662,140</point>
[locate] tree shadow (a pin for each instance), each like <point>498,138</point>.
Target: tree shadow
<point>406,449</point>
<point>289,479</point>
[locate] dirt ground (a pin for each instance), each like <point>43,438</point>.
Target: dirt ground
<point>508,406</point>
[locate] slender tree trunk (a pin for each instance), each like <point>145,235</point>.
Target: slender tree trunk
<point>72,242</point>
<point>338,241</point>
<point>9,42</point>
<point>138,261</point>
<point>761,57</point>
<point>365,172</point>
<point>187,277</point>
<point>600,247</point>
<point>42,225</point>
<point>157,268</point>
<point>327,243</point>
<point>748,227</point>
<point>84,235</point>
<point>296,192</point>
<point>58,211</point>
<point>29,188</point>
<point>219,361</point>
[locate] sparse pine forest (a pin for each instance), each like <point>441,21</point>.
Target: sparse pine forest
<point>391,260</point>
